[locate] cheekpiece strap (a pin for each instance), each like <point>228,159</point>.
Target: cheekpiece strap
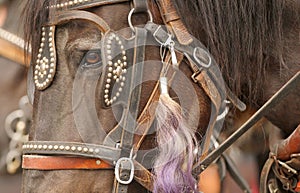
<point>140,6</point>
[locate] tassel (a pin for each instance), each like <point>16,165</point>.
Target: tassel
<point>176,142</point>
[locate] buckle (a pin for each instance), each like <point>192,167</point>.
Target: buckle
<point>123,163</point>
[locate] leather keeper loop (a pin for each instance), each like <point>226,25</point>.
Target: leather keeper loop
<point>140,6</point>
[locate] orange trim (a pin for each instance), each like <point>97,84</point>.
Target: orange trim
<point>297,189</point>
<point>37,162</point>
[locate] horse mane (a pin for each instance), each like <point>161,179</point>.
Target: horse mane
<point>244,36</point>
<point>35,15</point>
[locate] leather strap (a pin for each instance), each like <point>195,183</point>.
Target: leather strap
<point>205,81</point>
<point>84,4</point>
<point>66,16</point>
<point>38,162</point>
<point>173,22</point>
<point>140,6</point>
<point>148,114</point>
<point>13,53</point>
<point>131,111</point>
<point>289,146</point>
<point>72,149</point>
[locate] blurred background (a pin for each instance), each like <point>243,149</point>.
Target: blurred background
<point>15,110</point>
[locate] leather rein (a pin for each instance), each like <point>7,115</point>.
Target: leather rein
<point>12,47</point>
<point>50,155</point>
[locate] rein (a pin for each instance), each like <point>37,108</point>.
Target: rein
<point>12,47</point>
<point>49,155</point>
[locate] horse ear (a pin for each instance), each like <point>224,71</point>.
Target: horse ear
<point>176,142</point>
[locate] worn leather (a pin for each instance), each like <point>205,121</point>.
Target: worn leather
<point>131,111</point>
<point>173,22</point>
<point>140,6</point>
<point>289,146</point>
<point>38,162</point>
<point>66,16</point>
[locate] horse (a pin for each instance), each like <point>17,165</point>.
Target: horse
<point>255,43</point>
<point>13,88</point>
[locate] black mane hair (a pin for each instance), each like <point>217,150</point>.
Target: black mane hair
<point>244,36</point>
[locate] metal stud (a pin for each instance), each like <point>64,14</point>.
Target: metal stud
<point>43,67</point>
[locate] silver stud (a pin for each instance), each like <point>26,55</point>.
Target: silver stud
<point>73,148</point>
<point>61,147</point>
<point>85,149</point>
<point>40,146</point>
<point>79,148</point>
<point>45,147</point>
<point>67,148</point>
<point>50,147</point>
<point>98,162</point>
<point>56,147</point>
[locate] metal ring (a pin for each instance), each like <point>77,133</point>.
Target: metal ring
<point>130,15</point>
<point>199,61</point>
<point>117,173</point>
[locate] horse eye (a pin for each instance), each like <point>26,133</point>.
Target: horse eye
<point>92,58</point>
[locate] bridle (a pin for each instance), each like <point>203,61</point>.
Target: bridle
<point>12,47</point>
<point>51,155</point>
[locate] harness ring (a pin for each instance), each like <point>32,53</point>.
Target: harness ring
<point>130,15</point>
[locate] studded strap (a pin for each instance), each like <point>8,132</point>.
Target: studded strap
<point>83,4</point>
<point>73,149</point>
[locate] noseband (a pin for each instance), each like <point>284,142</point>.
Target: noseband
<point>119,153</point>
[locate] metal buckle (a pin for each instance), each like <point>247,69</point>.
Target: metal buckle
<point>199,60</point>
<point>118,166</point>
